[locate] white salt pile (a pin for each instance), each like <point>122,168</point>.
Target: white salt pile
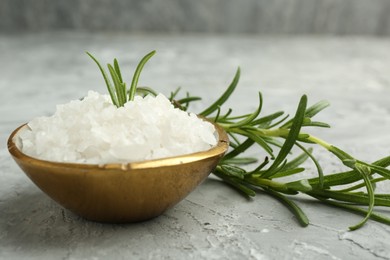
<point>94,131</point>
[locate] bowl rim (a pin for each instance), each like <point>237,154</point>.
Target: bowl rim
<point>218,150</point>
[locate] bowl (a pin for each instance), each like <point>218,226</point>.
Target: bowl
<point>120,193</point>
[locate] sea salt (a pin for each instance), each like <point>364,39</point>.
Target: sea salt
<point>94,131</point>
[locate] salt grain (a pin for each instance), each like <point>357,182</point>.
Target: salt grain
<point>94,131</point>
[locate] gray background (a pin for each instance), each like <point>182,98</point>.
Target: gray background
<point>368,17</point>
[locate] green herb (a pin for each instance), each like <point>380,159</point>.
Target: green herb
<point>118,92</point>
<point>275,132</point>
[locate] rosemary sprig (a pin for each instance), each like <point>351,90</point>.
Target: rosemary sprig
<point>320,187</point>
<point>118,92</point>
<point>275,132</point>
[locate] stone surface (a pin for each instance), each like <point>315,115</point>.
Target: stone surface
<point>39,71</point>
<point>369,17</point>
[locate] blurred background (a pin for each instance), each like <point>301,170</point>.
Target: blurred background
<point>346,17</point>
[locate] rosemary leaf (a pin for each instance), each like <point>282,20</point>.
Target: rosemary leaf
<point>287,172</point>
<point>297,161</point>
<point>239,149</point>
<point>361,185</point>
<point>297,211</point>
<point>259,140</point>
<point>118,86</point>
<point>137,73</point>
<point>174,94</point>
<point>316,108</point>
<point>267,119</point>
<point>316,163</point>
<point>311,112</point>
<point>374,216</point>
<point>351,197</point>
<point>239,160</point>
<point>234,171</point>
<point>110,88</point>
<point>146,91</point>
<point>291,138</point>
<point>317,124</point>
<point>118,70</point>
<point>236,184</point>
<point>247,120</point>
<point>225,96</point>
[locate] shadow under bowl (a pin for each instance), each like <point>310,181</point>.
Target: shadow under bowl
<point>120,193</point>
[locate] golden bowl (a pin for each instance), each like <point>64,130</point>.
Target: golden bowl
<point>120,193</point>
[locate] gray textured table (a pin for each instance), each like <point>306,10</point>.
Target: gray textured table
<point>214,222</point>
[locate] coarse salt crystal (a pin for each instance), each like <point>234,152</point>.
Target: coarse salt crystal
<point>94,131</point>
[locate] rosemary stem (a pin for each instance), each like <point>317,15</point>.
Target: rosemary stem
<point>279,132</point>
<point>320,142</point>
<point>263,182</point>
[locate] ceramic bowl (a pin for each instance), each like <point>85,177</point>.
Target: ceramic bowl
<point>120,193</point>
